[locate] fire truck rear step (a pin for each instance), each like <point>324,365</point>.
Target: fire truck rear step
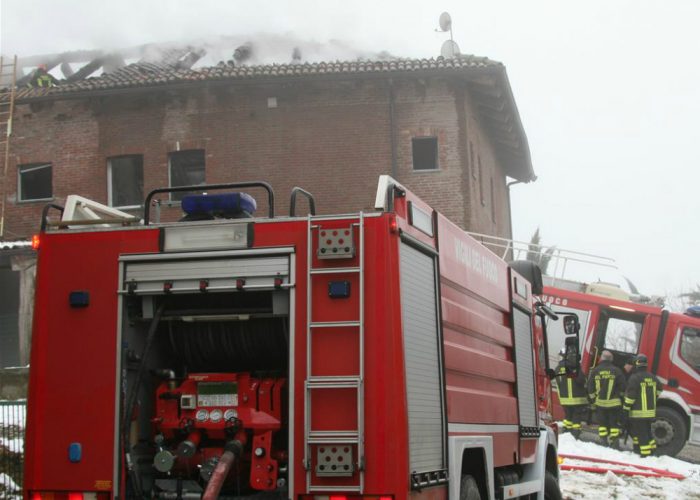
<point>334,450</point>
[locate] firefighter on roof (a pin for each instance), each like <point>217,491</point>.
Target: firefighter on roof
<point>42,78</point>
<point>640,406</point>
<point>606,388</point>
<point>571,388</point>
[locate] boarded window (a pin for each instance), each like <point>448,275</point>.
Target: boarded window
<point>425,153</point>
<point>35,182</point>
<point>186,169</point>
<point>125,178</point>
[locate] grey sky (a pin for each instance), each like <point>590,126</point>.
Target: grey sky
<point>608,93</point>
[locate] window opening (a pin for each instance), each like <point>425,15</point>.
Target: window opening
<point>186,169</point>
<point>690,347</point>
<point>125,179</point>
<point>481,181</point>
<point>493,202</point>
<point>425,153</point>
<point>622,332</point>
<point>35,182</point>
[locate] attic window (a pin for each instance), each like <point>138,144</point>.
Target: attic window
<point>35,182</point>
<point>425,153</point>
<point>186,169</point>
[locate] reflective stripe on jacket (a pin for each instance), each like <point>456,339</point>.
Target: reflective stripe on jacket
<point>643,389</point>
<point>606,385</point>
<point>571,387</point>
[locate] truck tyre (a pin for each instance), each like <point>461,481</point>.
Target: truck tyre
<point>669,430</point>
<point>551,487</point>
<point>468,489</point>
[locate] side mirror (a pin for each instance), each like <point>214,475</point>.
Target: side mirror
<point>572,357</point>
<point>571,325</point>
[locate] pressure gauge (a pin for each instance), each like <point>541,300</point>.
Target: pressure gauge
<point>202,415</point>
<point>230,415</point>
<point>216,415</point>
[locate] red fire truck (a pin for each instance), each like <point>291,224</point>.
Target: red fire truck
<point>671,341</point>
<point>381,355</point>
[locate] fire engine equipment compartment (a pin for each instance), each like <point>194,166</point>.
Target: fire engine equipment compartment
<point>204,366</point>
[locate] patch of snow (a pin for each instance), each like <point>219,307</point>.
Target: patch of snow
<point>589,486</point>
<point>14,445</point>
<point>7,485</point>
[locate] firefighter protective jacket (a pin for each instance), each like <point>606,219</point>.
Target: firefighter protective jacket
<point>606,385</point>
<point>571,386</point>
<point>643,389</point>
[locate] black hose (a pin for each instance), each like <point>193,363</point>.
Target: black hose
<point>131,400</point>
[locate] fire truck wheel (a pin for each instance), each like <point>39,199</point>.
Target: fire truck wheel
<point>468,489</point>
<point>551,487</point>
<point>669,430</point>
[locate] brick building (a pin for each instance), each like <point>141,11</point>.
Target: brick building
<point>448,129</point>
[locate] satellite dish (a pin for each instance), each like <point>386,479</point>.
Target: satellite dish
<point>449,49</point>
<point>445,22</point>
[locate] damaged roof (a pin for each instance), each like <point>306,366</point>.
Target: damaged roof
<point>486,80</point>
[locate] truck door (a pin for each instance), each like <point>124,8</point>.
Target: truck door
<point>619,332</point>
<point>684,373</point>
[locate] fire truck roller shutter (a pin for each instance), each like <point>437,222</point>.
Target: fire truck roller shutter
<point>525,370</point>
<point>422,360</point>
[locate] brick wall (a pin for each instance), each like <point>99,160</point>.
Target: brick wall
<point>331,138</point>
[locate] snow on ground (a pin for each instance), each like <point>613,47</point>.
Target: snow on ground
<point>14,414</point>
<point>8,486</point>
<point>577,485</point>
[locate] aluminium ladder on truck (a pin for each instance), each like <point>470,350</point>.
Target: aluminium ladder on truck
<point>8,82</point>
<point>335,440</point>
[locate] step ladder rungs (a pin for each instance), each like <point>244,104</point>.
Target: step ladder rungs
<point>315,488</point>
<point>335,270</point>
<point>332,324</point>
<point>333,382</point>
<point>334,437</point>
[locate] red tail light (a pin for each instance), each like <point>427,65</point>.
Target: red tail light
<point>75,496</point>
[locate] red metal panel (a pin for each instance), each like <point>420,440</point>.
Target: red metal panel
<point>471,266</point>
<point>72,380</point>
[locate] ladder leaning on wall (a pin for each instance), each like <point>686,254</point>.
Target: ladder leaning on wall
<point>8,81</point>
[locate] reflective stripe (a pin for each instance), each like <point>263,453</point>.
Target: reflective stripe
<point>642,413</point>
<point>573,401</point>
<point>608,403</point>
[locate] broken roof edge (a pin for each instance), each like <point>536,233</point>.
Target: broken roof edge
<point>516,161</point>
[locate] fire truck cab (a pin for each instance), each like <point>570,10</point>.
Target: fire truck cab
<point>381,355</point>
<point>671,341</point>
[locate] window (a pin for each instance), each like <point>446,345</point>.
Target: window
<point>481,181</point>
<point>425,153</point>
<point>622,331</point>
<point>472,165</point>
<point>493,203</point>
<point>125,181</point>
<point>35,182</point>
<point>186,169</point>
<point>690,347</point>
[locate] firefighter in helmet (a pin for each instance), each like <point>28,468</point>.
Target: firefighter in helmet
<point>606,388</point>
<point>42,78</point>
<point>571,388</point>
<point>639,410</point>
